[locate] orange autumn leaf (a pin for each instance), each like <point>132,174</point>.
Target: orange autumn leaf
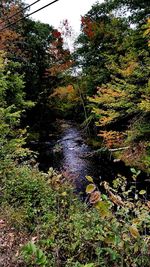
<point>95,197</point>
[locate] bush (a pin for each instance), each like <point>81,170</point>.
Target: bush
<point>66,232</point>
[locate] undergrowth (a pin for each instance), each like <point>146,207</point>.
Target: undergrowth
<point>107,230</point>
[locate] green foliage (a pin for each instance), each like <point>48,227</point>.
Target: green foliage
<point>34,255</point>
<point>37,38</point>
<point>65,100</point>
<point>26,188</point>
<point>115,62</point>
<point>109,229</point>
<point>66,231</point>
<point>95,48</point>
<point>11,106</point>
<point>125,234</point>
<point>136,11</point>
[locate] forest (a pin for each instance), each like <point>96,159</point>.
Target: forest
<point>74,138</point>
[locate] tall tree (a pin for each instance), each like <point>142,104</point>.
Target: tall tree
<point>114,57</point>
<point>101,36</point>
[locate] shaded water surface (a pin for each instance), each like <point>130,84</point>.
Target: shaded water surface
<point>73,148</point>
<point>65,151</point>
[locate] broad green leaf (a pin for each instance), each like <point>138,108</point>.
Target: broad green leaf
<point>40,253</point>
<point>32,247</point>
<point>103,207</point>
<point>104,197</point>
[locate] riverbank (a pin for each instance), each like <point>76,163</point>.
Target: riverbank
<point>44,223</point>
<point>68,151</point>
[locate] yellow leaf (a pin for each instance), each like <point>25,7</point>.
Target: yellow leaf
<point>134,231</point>
<point>89,178</point>
<point>136,248</point>
<point>109,240</point>
<point>90,188</point>
<point>142,192</point>
<point>136,221</point>
<point>64,194</point>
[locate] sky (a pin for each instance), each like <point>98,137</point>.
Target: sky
<point>63,9</point>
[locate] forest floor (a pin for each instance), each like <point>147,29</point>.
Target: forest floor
<point>11,241</point>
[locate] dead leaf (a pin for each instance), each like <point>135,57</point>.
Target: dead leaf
<point>116,199</point>
<point>2,224</point>
<point>11,239</point>
<point>148,204</point>
<point>134,231</point>
<point>95,197</point>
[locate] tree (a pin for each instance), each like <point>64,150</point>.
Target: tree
<point>122,106</point>
<point>114,58</point>
<point>12,104</point>
<point>138,11</point>
<point>11,37</point>
<point>101,36</point>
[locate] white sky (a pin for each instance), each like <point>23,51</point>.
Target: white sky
<point>63,9</point>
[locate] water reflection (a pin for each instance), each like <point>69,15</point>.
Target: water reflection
<point>73,148</point>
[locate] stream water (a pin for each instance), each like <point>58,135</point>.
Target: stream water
<point>65,149</point>
<point>73,162</point>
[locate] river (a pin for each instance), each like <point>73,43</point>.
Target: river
<point>65,150</point>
